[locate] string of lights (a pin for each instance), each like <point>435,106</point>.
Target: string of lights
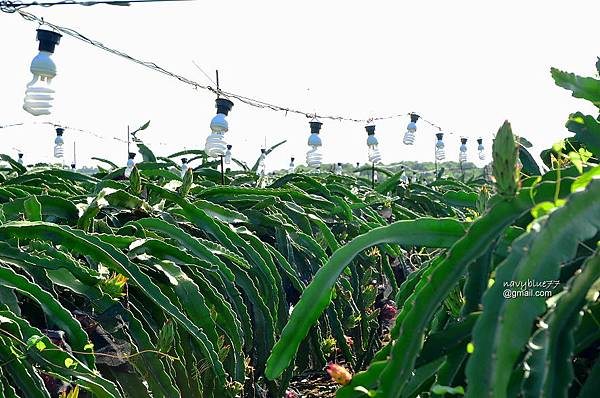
<point>257,103</point>
<point>55,125</point>
<point>63,127</point>
<point>13,6</point>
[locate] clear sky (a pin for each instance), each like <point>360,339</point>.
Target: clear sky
<point>465,65</point>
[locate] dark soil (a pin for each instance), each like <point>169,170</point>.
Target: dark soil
<point>313,385</point>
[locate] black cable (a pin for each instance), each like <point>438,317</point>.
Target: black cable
<point>13,6</point>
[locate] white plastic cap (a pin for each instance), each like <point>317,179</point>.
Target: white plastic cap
<point>371,140</point>
<point>412,126</point>
<point>59,140</point>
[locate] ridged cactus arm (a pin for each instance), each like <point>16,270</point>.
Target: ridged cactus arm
<point>505,327</point>
<point>555,342</point>
<point>435,285</point>
<point>478,369</point>
<point>556,243</point>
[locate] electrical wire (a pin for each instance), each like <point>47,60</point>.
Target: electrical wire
<point>72,129</point>
<point>13,6</point>
<point>215,90</point>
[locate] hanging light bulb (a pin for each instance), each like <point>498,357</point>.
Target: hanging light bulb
<point>39,94</point>
<point>227,158</point>
<point>20,160</point>
<point>462,156</point>
<point>215,143</point>
<point>59,151</point>
<point>73,166</point>
<point>261,162</point>
<point>357,165</point>
<point>403,177</point>
<point>414,177</point>
<point>292,166</point>
<point>338,169</point>
<point>372,143</point>
<point>184,167</point>
<point>411,129</point>
<point>313,156</point>
<point>440,152</point>
<point>480,149</point>
<point>130,164</point>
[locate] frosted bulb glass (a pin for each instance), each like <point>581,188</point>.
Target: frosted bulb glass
<point>227,158</point>
<point>481,153</point>
<point>292,167</point>
<point>219,124</point>
<point>314,157</point>
<point>215,145</point>
<point>338,170</point>
<point>20,161</point>
<point>374,154</point>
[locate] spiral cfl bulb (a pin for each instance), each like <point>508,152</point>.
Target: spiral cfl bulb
<point>215,145</point>
<point>227,158</point>
<point>59,151</point>
<point>338,169</point>
<point>480,149</point>
<point>261,163</point>
<point>372,144</point>
<point>184,167</point>
<point>404,177</point>
<point>130,165</point>
<point>440,152</point>
<point>374,154</point>
<point>462,156</point>
<point>20,160</point>
<point>314,158</point>
<point>292,166</point>
<point>411,129</point>
<point>39,95</point>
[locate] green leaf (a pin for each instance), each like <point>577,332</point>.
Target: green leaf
<point>108,162</point>
<point>33,209</point>
<point>587,131</point>
<point>582,87</point>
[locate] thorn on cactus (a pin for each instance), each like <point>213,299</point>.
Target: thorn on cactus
<point>339,374</point>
